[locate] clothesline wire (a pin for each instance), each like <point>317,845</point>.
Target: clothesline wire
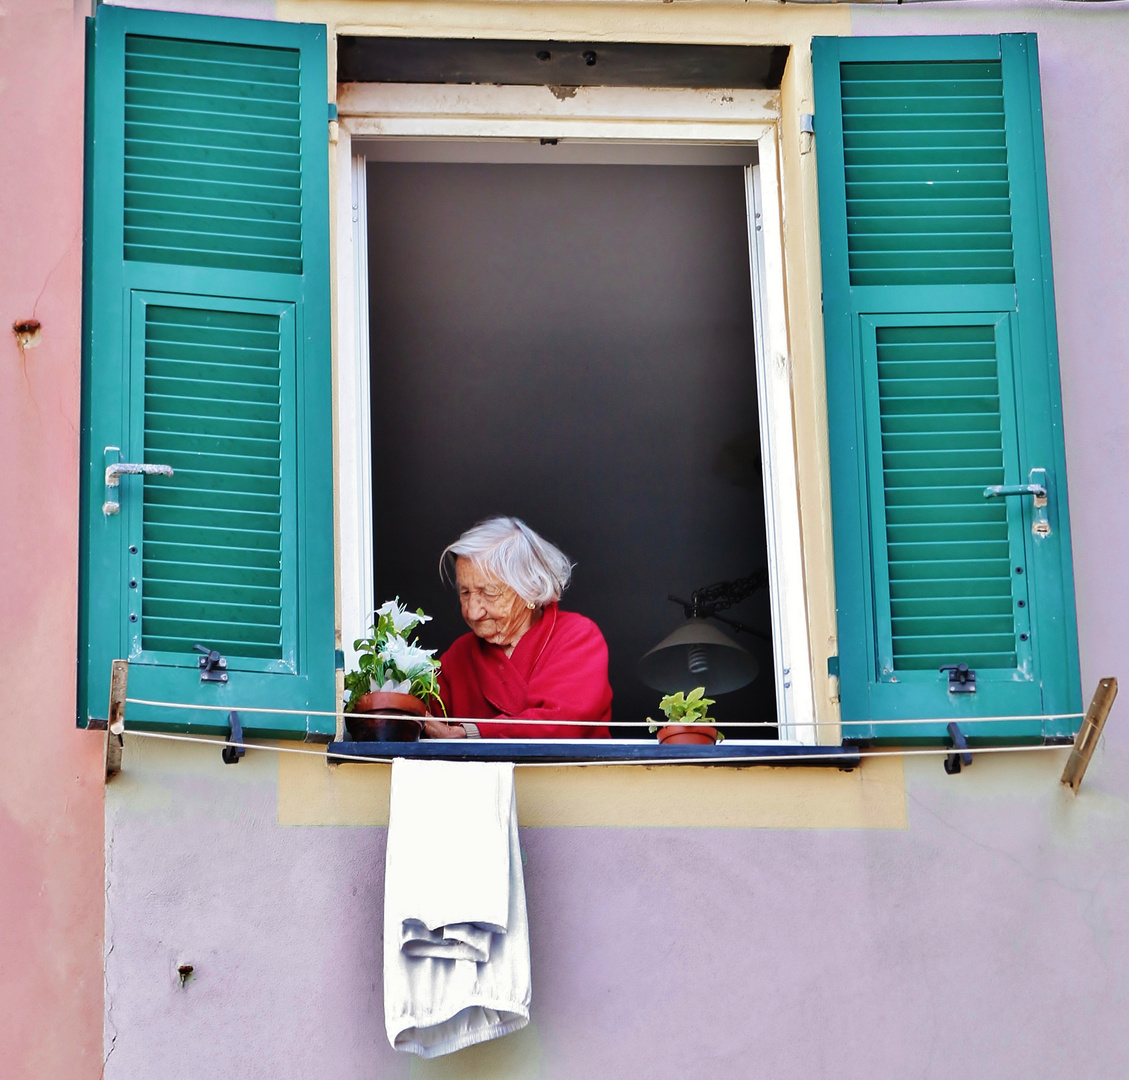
<point>831,753</point>
<point>615,723</point>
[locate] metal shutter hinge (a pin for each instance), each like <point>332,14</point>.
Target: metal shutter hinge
<point>833,677</point>
<point>807,132</point>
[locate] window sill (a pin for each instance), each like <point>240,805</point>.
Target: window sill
<point>732,752</point>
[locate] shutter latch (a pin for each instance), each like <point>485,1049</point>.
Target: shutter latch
<point>962,679</point>
<point>212,665</point>
<point>1037,487</point>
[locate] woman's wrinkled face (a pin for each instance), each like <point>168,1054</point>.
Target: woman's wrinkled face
<point>490,607</point>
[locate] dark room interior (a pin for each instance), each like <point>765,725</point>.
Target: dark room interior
<point>571,344</point>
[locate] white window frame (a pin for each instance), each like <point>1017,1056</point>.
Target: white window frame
<point>624,115</point>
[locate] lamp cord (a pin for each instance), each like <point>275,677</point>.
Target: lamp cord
<point>706,602</point>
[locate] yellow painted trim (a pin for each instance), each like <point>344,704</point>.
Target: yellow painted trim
<point>739,22</point>
<point>310,792</point>
<point>804,300</point>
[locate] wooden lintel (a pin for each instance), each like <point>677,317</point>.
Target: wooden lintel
<point>115,723</point>
<point>1086,740</point>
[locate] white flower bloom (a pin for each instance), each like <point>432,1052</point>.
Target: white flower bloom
<point>391,687</point>
<point>408,660</point>
<point>402,621</point>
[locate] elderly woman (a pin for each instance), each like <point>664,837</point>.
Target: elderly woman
<point>524,658</point>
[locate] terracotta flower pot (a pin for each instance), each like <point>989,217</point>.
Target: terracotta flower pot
<point>395,719</point>
<point>688,734</point>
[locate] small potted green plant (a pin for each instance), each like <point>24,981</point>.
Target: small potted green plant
<point>396,682</point>
<point>687,719</point>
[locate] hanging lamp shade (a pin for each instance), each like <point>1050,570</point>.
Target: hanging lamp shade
<point>698,654</point>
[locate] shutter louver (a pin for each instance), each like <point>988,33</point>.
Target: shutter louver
<point>942,444</point>
<point>213,155</point>
<point>212,533</point>
<point>926,174</point>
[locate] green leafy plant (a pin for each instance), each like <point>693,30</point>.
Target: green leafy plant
<point>391,661</point>
<point>691,708</point>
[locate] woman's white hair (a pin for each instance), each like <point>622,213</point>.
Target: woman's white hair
<point>508,549</point>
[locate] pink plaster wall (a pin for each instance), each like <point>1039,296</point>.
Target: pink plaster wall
<point>51,793</point>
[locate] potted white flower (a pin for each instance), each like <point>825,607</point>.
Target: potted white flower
<point>396,681</point>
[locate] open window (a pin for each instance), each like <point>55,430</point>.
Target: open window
<point>207,354</point>
<point>555,321</point>
<point>569,338</point>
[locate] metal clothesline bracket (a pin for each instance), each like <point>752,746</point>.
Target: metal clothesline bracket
<point>232,754</point>
<point>961,756</point>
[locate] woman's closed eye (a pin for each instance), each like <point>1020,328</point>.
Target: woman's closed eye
<point>484,594</point>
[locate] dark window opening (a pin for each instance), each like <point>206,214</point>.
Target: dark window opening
<point>561,63</point>
<point>572,344</point>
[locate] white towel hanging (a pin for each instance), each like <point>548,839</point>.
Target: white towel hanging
<point>456,935</point>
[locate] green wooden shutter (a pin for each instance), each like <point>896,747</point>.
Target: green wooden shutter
<point>208,350</point>
<point>942,380</point>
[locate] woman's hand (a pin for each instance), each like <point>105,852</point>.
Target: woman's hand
<point>437,729</point>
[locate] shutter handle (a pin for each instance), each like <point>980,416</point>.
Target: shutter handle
<point>127,468</point>
<point>1037,487</point>
<point>1037,490</point>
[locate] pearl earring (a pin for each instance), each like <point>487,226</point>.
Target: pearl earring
<point>530,606</point>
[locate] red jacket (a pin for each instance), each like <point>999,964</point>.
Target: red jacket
<point>558,671</point>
